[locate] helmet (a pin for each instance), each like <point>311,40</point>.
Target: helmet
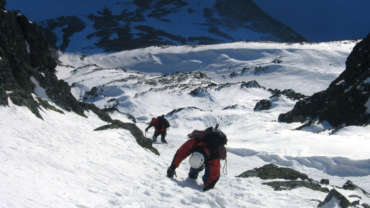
<point>196,160</point>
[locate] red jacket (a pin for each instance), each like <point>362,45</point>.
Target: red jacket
<point>212,166</point>
<point>157,126</point>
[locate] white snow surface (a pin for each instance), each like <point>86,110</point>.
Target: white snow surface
<point>59,161</point>
<point>321,61</point>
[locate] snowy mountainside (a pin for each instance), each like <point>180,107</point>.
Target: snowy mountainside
<point>210,95</point>
<point>286,65</point>
<point>129,24</point>
<point>62,161</point>
<point>213,89</point>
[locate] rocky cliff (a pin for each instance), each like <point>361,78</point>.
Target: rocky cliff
<point>27,66</point>
<point>27,74</point>
<point>346,101</point>
<point>2,4</point>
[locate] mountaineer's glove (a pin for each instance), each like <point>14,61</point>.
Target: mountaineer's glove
<point>171,171</point>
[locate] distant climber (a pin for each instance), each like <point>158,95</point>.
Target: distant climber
<point>207,148</point>
<point>160,125</point>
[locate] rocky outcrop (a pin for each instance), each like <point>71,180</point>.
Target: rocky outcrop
<point>134,130</point>
<point>335,198</point>
<point>289,93</point>
<point>349,185</point>
<point>27,74</point>
<point>2,4</point>
<point>175,111</point>
<point>266,104</point>
<point>289,185</point>
<point>292,178</point>
<point>27,63</point>
<point>262,105</point>
<point>272,171</point>
<point>346,101</point>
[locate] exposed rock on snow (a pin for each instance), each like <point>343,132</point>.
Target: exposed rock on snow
<point>181,109</point>
<point>28,74</point>
<point>343,103</point>
<point>349,185</point>
<point>135,131</point>
<point>272,171</point>
<point>288,185</point>
<point>25,53</point>
<point>250,84</point>
<point>263,105</point>
<point>324,181</point>
<point>350,195</point>
<point>335,199</point>
<point>289,93</point>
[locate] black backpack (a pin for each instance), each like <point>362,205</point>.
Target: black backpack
<point>163,121</point>
<point>214,137</point>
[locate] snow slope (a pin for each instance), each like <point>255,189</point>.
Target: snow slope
<point>61,162</point>
<point>321,62</point>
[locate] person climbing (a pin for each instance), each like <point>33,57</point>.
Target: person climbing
<point>160,125</point>
<point>207,148</point>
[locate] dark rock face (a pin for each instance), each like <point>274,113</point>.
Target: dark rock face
<point>272,171</point>
<point>267,104</point>
<point>346,101</point>
<point>335,195</point>
<point>134,130</point>
<point>25,59</point>
<point>199,92</point>
<point>324,181</point>
<point>289,93</point>
<point>2,4</point>
<point>250,84</point>
<point>349,185</point>
<point>293,178</point>
<point>262,105</point>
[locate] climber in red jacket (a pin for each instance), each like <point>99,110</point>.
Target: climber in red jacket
<point>210,143</point>
<point>160,125</point>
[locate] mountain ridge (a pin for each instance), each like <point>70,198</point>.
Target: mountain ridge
<point>142,23</point>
